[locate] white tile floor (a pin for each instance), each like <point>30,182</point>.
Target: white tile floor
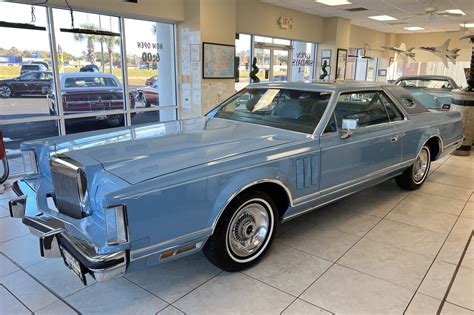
<point>381,251</point>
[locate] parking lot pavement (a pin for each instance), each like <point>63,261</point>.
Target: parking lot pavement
<point>380,251</point>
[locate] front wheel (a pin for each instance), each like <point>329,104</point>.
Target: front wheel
<point>244,232</point>
<point>413,177</point>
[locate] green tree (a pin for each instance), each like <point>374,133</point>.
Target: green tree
<point>90,39</point>
<point>14,52</point>
<point>110,42</point>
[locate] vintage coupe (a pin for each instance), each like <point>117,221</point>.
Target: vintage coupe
<point>123,199</point>
<point>85,92</point>
<point>433,91</point>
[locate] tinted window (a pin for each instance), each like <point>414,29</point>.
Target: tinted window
<point>367,108</point>
<point>392,110</point>
<point>29,67</point>
<point>293,110</point>
<point>46,76</point>
<point>86,82</point>
<point>30,76</point>
<point>426,83</point>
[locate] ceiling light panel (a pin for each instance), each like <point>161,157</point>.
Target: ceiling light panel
<point>413,28</point>
<point>382,18</point>
<point>456,11</point>
<point>333,2</point>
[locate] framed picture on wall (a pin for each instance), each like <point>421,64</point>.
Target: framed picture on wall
<point>341,62</point>
<point>326,53</point>
<point>218,61</point>
<point>382,72</point>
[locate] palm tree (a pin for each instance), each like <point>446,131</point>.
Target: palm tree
<point>110,42</point>
<point>91,39</point>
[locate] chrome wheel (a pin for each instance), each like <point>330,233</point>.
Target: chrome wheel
<point>249,230</point>
<point>421,165</point>
<point>5,91</point>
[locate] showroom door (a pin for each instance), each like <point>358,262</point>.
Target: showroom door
<point>272,62</point>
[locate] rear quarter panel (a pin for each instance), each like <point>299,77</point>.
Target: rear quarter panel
<point>419,128</point>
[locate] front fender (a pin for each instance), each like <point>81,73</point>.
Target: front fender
<point>243,181</point>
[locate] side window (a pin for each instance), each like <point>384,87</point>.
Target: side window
<point>361,109</point>
<point>392,110</point>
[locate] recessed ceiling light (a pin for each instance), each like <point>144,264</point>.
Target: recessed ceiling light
<point>414,28</point>
<point>456,11</point>
<point>467,25</point>
<point>382,18</point>
<point>334,2</point>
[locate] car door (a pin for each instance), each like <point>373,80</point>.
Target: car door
<point>362,140</point>
<point>23,85</point>
<point>44,83</point>
<point>35,85</point>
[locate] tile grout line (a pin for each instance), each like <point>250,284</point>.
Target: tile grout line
<point>451,282</point>
<point>16,298</point>
<point>437,254</point>
<point>335,262</point>
<point>43,285</point>
<point>172,303</point>
<point>144,289</point>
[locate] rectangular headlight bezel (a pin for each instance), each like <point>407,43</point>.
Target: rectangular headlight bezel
<point>29,158</point>
<point>116,225</point>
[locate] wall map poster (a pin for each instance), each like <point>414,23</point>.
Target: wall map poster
<point>218,61</point>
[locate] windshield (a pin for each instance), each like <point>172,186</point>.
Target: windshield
<point>293,110</point>
<point>426,83</point>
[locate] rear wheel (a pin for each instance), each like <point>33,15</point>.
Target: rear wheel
<point>5,91</point>
<point>116,121</point>
<point>244,232</point>
<point>413,177</point>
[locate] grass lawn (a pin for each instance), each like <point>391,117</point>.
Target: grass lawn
<point>135,76</point>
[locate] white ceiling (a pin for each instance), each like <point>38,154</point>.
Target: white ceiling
<point>397,8</point>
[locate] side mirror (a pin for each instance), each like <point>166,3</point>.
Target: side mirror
<point>346,133</point>
<point>347,126</point>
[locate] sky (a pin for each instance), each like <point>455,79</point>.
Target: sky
<point>136,30</point>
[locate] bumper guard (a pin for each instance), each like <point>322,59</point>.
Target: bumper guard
<point>54,237</point>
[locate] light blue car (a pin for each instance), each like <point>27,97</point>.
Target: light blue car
<point>118,200</point>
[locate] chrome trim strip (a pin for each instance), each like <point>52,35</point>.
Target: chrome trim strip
<point>155,248</point>
<point>260,181</point>
<point>349,184</point>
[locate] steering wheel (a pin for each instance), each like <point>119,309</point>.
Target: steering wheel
<point>308,116</point>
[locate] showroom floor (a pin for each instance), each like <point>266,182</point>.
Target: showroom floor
<point>380,251</point>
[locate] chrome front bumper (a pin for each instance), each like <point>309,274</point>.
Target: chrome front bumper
<point>54,238</point>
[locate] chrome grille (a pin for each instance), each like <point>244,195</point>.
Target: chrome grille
<point>69,186</point>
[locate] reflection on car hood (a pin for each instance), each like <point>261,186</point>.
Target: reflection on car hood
<point>139,153</point>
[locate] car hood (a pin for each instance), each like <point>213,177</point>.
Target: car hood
<point>136,154</point>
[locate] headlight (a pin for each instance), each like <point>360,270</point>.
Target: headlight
<point>115,225</point>
<point>29,161</point>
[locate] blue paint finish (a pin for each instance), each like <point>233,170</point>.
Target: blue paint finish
<point>176,178</point>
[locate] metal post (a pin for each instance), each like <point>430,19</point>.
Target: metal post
<point>56,75</point>
<point>123,49</point>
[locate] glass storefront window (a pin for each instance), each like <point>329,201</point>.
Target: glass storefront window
<point>242,51</point>
<point>303,61</point>
<point>91,75</point>
<point>90,68</point>
<point>150,68</point>
<point>82,124</point>
<point>25,64</point>
<point>153,116</point>
<point>14,134</point>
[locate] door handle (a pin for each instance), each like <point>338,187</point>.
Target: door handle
<point>394,139</point>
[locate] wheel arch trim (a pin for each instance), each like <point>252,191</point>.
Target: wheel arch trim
<point>245,187</point>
